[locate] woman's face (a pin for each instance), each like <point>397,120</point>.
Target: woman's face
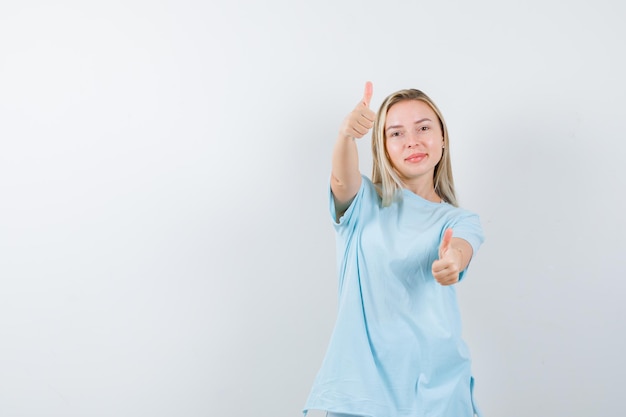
<point>414,140</point>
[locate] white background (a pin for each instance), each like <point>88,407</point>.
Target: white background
<point>165,242</point>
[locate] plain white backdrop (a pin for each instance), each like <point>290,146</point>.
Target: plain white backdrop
<point>165,242</point>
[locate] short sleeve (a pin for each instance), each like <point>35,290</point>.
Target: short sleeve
<point>467,227</point>
<point>366,195</point>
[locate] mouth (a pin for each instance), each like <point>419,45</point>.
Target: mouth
<point>416,157</point>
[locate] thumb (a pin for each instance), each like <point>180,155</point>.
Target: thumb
<point>445,242</point>
<point>367,94</point>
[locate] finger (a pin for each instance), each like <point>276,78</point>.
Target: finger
<point>437,267</point>
<point>368,114</point>
<point>448,281</point>
<point>360,120</point>
<point>362,114</point>
<point>367,94</point>
<point>443,274</point>
<point>358,132</point>
<point>442,266</point>
<point>364,122</point>
<point>445,242</point>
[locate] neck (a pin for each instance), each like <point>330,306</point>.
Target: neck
<point>425,190</point>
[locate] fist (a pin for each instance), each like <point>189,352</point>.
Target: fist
<point>361,119</point>
<point>447,268</point>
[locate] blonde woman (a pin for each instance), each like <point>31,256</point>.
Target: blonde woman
<point>403,242</point>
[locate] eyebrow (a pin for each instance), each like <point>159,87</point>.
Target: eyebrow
<point>415,123</point>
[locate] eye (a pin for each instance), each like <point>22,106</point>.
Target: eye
<point>394,134</point>
<point>424,128</point>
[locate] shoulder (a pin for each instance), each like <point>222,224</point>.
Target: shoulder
<point>367,193</point>
<point>459,211</point>
<point>459,214</point>
<point>368,186</point>
<point>366,200</point>
<point>466,224</point>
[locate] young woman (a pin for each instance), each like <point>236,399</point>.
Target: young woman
<point>402,242</point>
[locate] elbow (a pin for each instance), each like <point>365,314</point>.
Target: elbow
<point>344,192</point>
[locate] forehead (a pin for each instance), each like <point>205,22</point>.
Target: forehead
<point>408,111</point>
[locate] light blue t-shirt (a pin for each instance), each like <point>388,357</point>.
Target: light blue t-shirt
<point>396,349</point>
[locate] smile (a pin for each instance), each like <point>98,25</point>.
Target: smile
<point>416,157</point>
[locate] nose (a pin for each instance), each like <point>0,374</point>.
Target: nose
<point>412,140</point>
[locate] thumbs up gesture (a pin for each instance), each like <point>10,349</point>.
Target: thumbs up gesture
<point>361,119</point>
<point>447,268</point>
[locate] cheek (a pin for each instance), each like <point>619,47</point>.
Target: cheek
<point>436,143</point>
<point>393,148</point>
<point>438,148</point>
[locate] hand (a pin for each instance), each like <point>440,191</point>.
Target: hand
<point>361,119</point>
<point>447,268</point>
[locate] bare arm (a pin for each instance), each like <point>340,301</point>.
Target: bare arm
<point>345,175</point>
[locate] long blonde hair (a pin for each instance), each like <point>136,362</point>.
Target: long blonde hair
<point>384,175</point>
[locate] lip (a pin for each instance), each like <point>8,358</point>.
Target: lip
<point>415,157</point>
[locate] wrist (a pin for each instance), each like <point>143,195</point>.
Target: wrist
<point>345,137</point>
